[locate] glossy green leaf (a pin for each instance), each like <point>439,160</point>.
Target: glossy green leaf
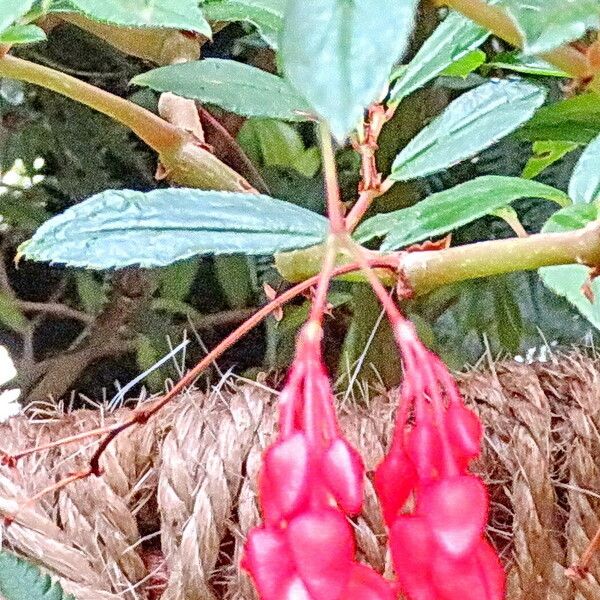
<point>576,119</point>
<point>339,54</point>
<point>22,34</point>
<point>584,186</point>
<point>451,41</point>
<point>452,208</point>
<point>232,85</point>
<point>176,14</point>
<point>528,65</point>
<point>546,153</point>
<point>21,580</point>
<point>471,123</point>
<point>547,24</point>
<point>567,280</point>
<point>12,10</point>
<point>265,15</point>
<point>117,228</point>
<point>466,65</point>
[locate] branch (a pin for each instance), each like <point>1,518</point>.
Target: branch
<point>54,309</point>
<point>566,58</point>
<point>425,271</point>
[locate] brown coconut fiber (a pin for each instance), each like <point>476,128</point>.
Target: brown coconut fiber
<point>168,518</point>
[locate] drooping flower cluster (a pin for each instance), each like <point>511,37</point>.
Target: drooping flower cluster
<point>438,547</point>
<point>311,480</point>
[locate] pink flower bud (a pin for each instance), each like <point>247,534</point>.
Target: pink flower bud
<point>322,545</point>
<point>456,510</point>
<point>395,478</point>
<point>269,562</point>
<point>477,576</point>
<point>424,448</point>
<point>285,484</point>
<point>411,544</point>
<point>344,473</point>
<point>464,431</point>
<point>366,584</point>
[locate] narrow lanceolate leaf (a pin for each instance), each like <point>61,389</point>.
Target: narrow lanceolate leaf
<point>546,153</point>
<point>452,208</point>
<point>22,34</point>
<point>232,85</point>
<point>584,186</point>
<point>454,38</point>
<point>21,580</point>
<point>11,10</point>
<point>122,227</point>
<point>547,24</point>
<point>569,280</point>
<point>339,54</point>
<point>528,65</point>
<point>177,14</point>
<point>265,15</point>
<point>576,119</point>
<point>473,122</point>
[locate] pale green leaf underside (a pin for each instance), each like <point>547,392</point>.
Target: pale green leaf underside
<point>471,123</point>
<point>444,211</point>
<point>567,280</point>
<point>232,85</point>
<point>21,580</point>
<point>584,186</point>
<point>547,24</point>
<point>454,38</point>
<point>22,34</point>
<point>11,10</point>
<point>265,15</point>
<point>340,53</point>
<point>176,14</point>
<point>118,228</point>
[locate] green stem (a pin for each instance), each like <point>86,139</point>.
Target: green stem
<point>566,58</point>
<point>426,271</point>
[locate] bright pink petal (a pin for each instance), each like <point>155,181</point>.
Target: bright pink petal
<point>464,430</point>
<point>424,449</point>
<point>322,545</point>
<point>366,584</point>
<point>456,510</point>
<point>344,473</point>
<point>395,479</point>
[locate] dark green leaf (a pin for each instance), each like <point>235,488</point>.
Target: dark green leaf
<point>529,65</point>
<point>11,10</point>
<point>473,122</point>
<point>21,580</point>
<point>235,280</point>
<point>568,280</point>
<point>547,24</point>
<point>584,186</point>
<point>507,315</point>
<point>11,315</point>
<point>454,38</point>
<point>573,120</point>
<point>22,34</point>
<point>91,292</point>
<point>176,280</point>
<point>339,54</point>
<point>122,227</point>
<point>546,153</point>
<point>147,356</point>
<point>232,85</point>
<point>265,15</point>
<point>176,14</point>
<point>447,210</point>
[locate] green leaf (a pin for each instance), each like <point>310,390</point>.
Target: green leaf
<point>235,280</point>
<point>529,65</point>
<point>176,281</point>
<point>21,580</point>
<point>265,15</point>
<point>232,85</point>
<point>118,228</point>
<point>12,10</point>
<point>452,208</point>
<point>507,315</point>
<point>174,307</point>
<point>576,119</point>
<point>339,53</point>
<point>545,153</point>
<point>584,186</point>
<point>176,14</point>
<point>147,356</point>
<point>91,292</point>
<point>11,315</point>
<point>471,123</point>
<point>466,65</point>
<point>547,24</point>
<point>22,34</point>
<point>567,280</point>
<point>451,41</point>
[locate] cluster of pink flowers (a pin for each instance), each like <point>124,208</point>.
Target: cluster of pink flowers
<point>312,481</point>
